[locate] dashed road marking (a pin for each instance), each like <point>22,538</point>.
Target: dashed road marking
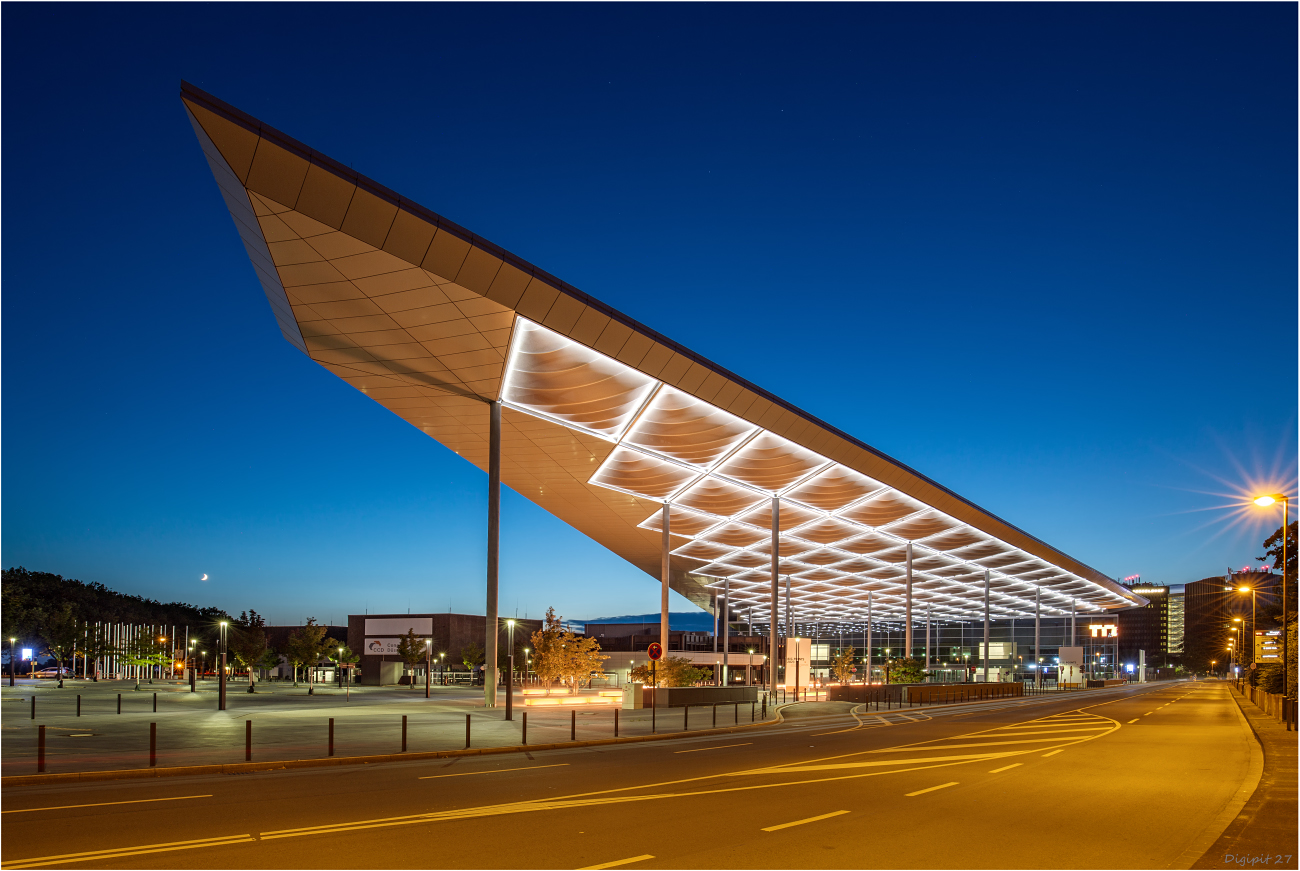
<point>930,789</point>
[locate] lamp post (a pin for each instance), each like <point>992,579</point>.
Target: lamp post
<point>749,672</point>
<point>428,665</point>
<point>527,662</point>
<point>510,672</point>
<point>1264,502</point>
<point>191,665</point>
<point>12,665</point>
<point>221,675</point>
<point>442,668</point>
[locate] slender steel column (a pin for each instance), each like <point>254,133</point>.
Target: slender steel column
<point>1074,636</point>
<point>665,574</point>
<point>868,636</point>
<point>986,626</point>
<point>907,633</point>
<point>1038,597</point>
<point>726,630</point>
<point>776,593</point>
<point>717,677</point>
<point>493,555</point>
<point>927,638</point>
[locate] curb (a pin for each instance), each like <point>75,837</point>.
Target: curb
<point>330,761</point>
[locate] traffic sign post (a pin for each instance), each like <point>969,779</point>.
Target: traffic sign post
<point>656,652</point>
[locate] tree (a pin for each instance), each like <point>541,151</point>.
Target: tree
<point>412,650</point>
<point>906,671</point>
<point>561,655</point>
<point>671,671</point>
<point>472,655</point>
<point>306,644</point>
<point>1273,556</point>
<point>61,634</point>
<point>249,642</point>
<point>340,654</point>
<point>143,650</point>
<point>842,666</point>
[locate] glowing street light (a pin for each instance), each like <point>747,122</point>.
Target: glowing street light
<point>1265,501</point>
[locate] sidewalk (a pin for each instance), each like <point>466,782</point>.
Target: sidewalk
<point>1264,833</point>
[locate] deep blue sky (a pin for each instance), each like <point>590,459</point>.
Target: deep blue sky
<point>1045,255</point>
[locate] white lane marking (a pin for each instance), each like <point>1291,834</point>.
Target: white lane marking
<point>931,789</point>
<point>64,807</point>
<point>801,822</point>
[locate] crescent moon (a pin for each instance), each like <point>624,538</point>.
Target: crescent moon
<point>204,578</point>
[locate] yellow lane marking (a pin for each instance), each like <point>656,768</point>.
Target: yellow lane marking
<point>1148,713</point>
<point>616,863</point>
<point>64,807</point>
<point>930,789</point>
<point>720,747</point>
<point>493,771</point>
<point>1134,720</point>
<point>801,822</point>
<point>1012,734</point>
<point>95,855</point>
<point>1006,767</point>
<point>1054,752</point>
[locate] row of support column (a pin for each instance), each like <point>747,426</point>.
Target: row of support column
<point>493,569</point>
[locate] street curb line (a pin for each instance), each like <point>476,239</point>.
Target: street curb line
<point>330,761</point>
<point>1254,773</point>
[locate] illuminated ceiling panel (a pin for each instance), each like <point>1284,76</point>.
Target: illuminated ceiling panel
<point>682,427</point>
<point>604,419</point>
<point>643,474</point>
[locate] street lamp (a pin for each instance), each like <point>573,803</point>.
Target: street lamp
<point>442,667</point>
<point>221,676</point>
<point>1264,502</point>
<point>749,672</point>
<point>12,642</point>
<point>510,673</point>
<point>428,665</point>
<point>527,662</point>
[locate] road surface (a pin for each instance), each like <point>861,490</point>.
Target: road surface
<point>1138,777</point>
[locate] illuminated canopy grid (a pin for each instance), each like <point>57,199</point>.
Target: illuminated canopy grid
<point>604,421</point>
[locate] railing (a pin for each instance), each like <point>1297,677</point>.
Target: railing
<point>1275,705</point>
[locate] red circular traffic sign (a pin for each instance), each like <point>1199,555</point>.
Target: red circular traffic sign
<point>656,651</point>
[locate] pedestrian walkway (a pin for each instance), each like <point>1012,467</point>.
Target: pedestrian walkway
<point>1263,835</point>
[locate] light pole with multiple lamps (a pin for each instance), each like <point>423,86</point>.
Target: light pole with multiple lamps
<point>1264,502</point>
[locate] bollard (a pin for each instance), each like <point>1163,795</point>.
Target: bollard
<point>736,714</point>
<point>119,703</point>
<point>686,718</point>
<point>248,740</point>
<point>525,741</point>
<point>153,745</point>
<point>616,722</point>
<point>403,733</point>
<point>573,725</point>
<point>467,731</point>
<point>715,713</point>
<point>78,704</point>
<point>155,703</point>
<point>40,749</point>
<point>751,710</point>
<point>33,707</point>
<point>331,736</point>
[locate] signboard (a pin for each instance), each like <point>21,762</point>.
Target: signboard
<point>1268,645</point>
<point>998,650</point>
<point>398,625</point>
<point>381,646</point>
<point>1103,630</point>
<point>27,654</point>
<point>656,651</point>
<point>1071,656</point>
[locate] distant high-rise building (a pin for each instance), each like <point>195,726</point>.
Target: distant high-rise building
<point>1174,619</point>
<point>1210,606</point>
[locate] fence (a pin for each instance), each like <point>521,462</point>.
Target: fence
<point>1276,705</point>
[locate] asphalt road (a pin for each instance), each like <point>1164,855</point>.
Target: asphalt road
<point>1139,777</point>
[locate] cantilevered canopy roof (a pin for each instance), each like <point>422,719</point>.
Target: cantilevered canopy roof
<point>604,420</point>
